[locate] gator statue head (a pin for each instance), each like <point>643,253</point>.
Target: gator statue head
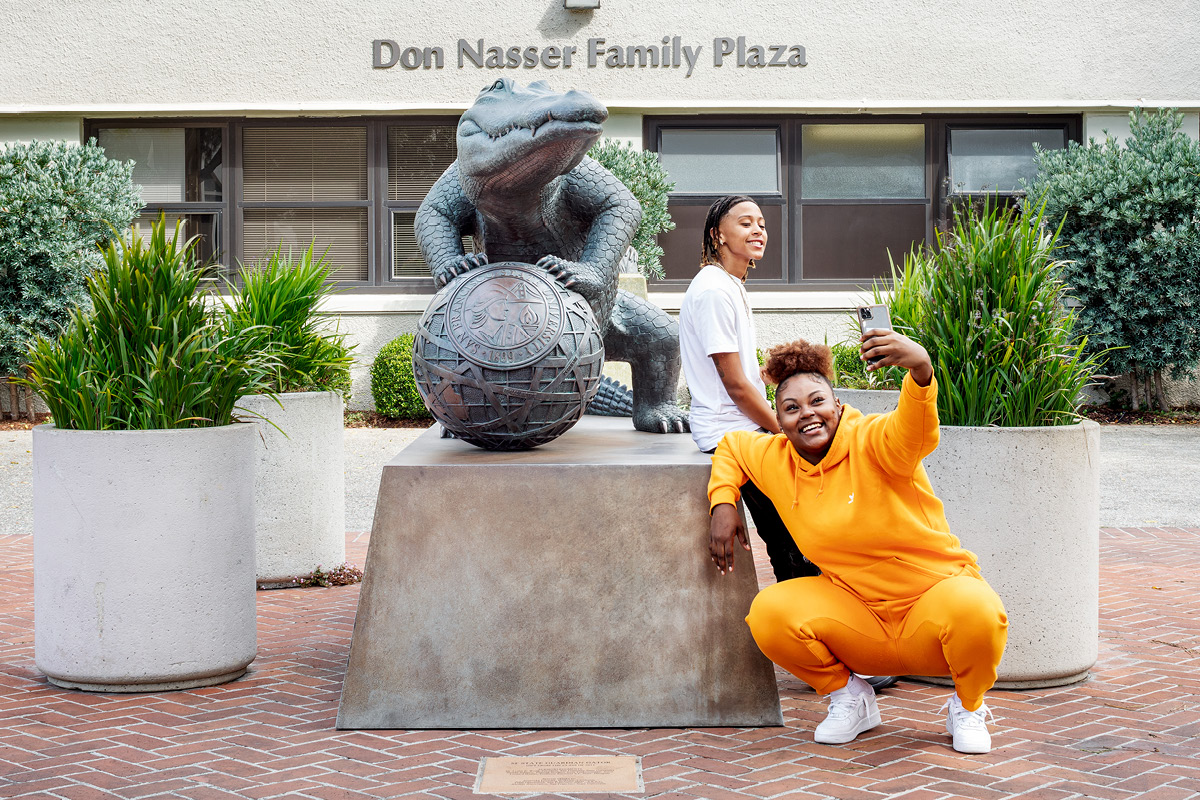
<point>525,191</point>
<point>516,139</point>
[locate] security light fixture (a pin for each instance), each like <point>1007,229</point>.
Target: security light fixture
<point>581,5</point>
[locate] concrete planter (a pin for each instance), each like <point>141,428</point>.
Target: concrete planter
<point>143,557</point>
<point>869,401</point>
<point>300,488</point>
<point>1026,501</point>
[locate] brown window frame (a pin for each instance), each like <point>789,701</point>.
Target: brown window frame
<point>231,208</point>
<point>936,201</point>
<point>225,225</point>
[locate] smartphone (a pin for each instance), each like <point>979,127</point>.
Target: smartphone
<point>874,318</point>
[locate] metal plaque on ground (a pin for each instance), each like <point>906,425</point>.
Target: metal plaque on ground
<point>560,774</point>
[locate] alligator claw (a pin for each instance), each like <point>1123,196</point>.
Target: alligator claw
<point>460,266</point>
<point>558,270</point>
<point>661,418</point>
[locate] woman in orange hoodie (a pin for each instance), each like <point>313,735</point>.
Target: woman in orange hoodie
<point>898,594</point>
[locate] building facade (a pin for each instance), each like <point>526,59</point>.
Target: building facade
<point>857,124</point>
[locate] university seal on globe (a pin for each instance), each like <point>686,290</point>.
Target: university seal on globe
<point>505,317</point>
<point>507,358</point>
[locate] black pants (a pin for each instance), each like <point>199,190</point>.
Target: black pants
<point>787,561</point>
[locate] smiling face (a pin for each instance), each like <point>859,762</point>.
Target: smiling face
<point>808,414</point>
<point>741,235</point>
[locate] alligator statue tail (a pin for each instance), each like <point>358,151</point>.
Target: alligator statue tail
<point>613,399</point>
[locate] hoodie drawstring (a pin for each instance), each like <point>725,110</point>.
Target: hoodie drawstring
<point>796,487</point>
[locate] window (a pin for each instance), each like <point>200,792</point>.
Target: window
<point>725,161</point>
<point>997,160</point>
<point>248,187</point>
<point>862,196</point>
<point>181,174</point>
<point>305,185</point>
<point>417,157</point>
<point>706,163</point>
<point>842,195</point>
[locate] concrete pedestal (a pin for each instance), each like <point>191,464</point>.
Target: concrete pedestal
<point>568,586</point>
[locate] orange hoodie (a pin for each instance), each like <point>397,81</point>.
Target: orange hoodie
<point>866,514</point>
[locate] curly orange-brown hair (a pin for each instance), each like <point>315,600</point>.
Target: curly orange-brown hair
<point>795,358</point>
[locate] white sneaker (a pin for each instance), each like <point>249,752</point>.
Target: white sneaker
<point>852,710</point>
<point>969,728</point>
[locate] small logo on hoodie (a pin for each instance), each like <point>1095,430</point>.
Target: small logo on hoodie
<point>851,500</point>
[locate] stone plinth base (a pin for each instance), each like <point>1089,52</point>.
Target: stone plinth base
<point>568,586</point>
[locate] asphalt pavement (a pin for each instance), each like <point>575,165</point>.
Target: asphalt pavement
<point>1148,475</point>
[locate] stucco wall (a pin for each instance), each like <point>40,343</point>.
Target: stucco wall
<point>126,57</point>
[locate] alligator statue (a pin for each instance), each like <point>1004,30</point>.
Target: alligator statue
<point>525,190</point>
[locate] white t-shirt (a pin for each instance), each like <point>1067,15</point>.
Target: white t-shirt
<point>715,318</point>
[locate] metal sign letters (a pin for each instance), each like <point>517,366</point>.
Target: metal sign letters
<point>670,53</point>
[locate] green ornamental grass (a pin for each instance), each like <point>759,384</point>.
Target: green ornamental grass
<point>278,302</point>
<point>988,303</point>
<point>149,354</point>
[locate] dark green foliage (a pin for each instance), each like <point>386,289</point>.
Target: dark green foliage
<point>762,361</point>
<point>988,305</point>
<point>59,204</point>
<point>149,354</point>
<point>281,299</point>
<point>1131,230</point>
<point>850,371</point>
<point>643,175</point>
<point>392,384</point>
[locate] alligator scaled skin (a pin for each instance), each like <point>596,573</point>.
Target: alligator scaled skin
<point>524,189</point>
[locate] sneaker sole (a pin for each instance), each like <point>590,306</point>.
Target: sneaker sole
<point>864,726</point>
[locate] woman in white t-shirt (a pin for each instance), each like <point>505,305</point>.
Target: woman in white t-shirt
<point>720,362</point>
<point>720,359</point>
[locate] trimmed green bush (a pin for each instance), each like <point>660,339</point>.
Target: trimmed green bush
<point>59,205</point>
<point>643,175</point>
<point>392,384</point>
<point>1131,233</point>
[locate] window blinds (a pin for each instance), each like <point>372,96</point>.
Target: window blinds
<point>304,164</point>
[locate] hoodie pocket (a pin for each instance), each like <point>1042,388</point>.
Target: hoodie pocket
<point>892,579</point>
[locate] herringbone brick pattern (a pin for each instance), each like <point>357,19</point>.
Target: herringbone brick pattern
<point>1132,730</point>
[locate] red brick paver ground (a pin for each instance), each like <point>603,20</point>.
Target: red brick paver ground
<point>1132,730</point>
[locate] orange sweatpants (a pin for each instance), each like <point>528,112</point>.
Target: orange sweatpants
<point>821,633</point>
